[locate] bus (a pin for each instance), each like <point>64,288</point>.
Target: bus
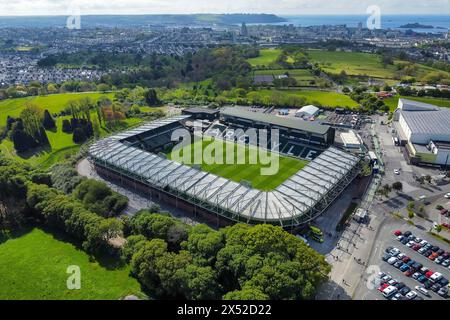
<point>316,231</point>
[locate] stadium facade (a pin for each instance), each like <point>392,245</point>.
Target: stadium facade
<point>132,158</point>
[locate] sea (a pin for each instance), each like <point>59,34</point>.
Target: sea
<point>441,23</point>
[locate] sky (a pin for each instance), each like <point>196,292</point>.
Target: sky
<point>280,7</point>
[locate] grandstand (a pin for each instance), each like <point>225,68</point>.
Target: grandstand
<point>130,158</point>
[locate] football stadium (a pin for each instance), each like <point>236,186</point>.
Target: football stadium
<point>312,173</point>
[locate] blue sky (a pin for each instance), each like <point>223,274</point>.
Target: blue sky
<point>282,7</point>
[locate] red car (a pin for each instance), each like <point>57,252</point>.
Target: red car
<point>429,274</point>
<point>406,259</point>
<point>409,272</point>
<point>433,256</point>
<point>383,286</point>
<point>416,247</point>
<point>397,233</point>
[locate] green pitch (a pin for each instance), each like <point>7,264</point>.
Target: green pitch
<point>246,171</point>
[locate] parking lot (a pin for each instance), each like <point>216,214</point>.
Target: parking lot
<point>368,288</point>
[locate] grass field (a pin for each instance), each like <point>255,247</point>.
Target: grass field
<point>34,266</point>
<point>393,102</point>
<point>362,64</point>
<point>55,103</point>
<point>242,172</point>
<point>266,57</point>
<point>324,98</point>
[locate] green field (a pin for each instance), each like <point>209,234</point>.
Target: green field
<point>242,172</point>
<point>54,103</point>
<point>362,64</point>
<point>34,266</point>
<point>61,144</point>
<point>266,57</point>
<point>324,98</point>
<point>393,102</point>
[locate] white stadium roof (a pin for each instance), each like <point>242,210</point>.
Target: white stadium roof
<point>300,198</point>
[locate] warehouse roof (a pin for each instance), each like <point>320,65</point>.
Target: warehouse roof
<point>200,110</point>
<point>430,122</point>
<point>411,105</point>
<point>310,109</point>
<point>291,123</point>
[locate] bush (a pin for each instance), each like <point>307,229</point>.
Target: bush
<point>99,198</point>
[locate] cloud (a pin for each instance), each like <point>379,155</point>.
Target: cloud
<point>61,7</point>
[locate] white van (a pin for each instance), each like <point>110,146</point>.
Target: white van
<point>389,291</point>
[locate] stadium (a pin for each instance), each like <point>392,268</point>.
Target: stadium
<point>312,173</point>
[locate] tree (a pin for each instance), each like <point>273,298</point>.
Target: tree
<point>79,136</point>
<point>151,97</point>
<point>397,186</point>
<point>66,127</point>
<point>246,293</point>
<point>22,140</point>
<point>201,283</point>
<point>48,121</point>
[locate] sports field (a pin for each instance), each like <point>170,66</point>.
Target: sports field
<point>34,267</point>
<point>266,58</point>
<point>240,172</point>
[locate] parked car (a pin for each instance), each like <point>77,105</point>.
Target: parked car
<point>444,282</point>
<point>422,290</point>
<point>406,259</point>
<point>386,278</point>
<point>400,238</point>
<point>422,250</point>
<point>392,260</point>
<point>410,243</point>
<point>443,292</point>
<point>411,295</point>
<point>392,282</point>
<point>397,233</point>
<point>422,279</point>
<point>407,233</point>
<point>416,275</point>
<point>395,252</point>
<point>400,256</point>
<point>433,256</point>
<point>389,291</point>
<point>409,272</point>
<point>434,248</point>
<point>436,287</point>
<point>386,256</point>
<point>398,264</point>
<point>424,270</point>
<point>429,274</point>
<point>446,263</point>
<point>382,287</point>
<point>447,196</point>
<point>404,291</point>
<point>416,247</point>
<point>404,267</point>
<point>388,249</point>
<point>428,284</point>
<point>439,260</point>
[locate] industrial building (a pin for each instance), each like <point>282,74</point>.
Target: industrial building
<point>424,130</point>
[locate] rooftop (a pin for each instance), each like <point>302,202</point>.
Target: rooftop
<point>291,123</point>
<point>435,122</point>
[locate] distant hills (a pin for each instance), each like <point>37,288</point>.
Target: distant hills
<point>142,20</point>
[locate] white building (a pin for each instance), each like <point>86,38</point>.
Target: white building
<point>308,112</point>
<point>425,131</point>
<point>351,140</point>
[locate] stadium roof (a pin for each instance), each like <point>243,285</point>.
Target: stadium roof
<point>436,122</point>
<point>201,110</point>
<point>292,123</point>
<point>294,200</point>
